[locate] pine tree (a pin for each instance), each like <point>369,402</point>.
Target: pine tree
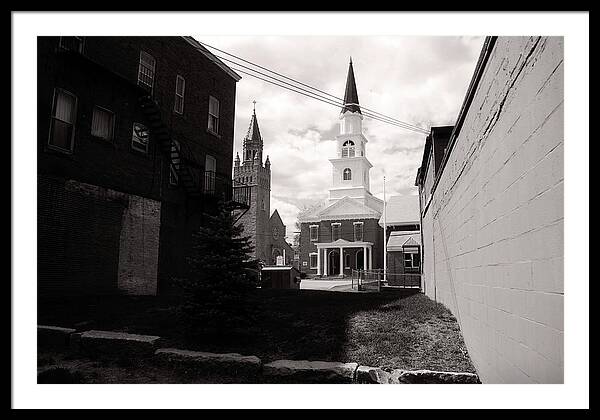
<point>223,274</point>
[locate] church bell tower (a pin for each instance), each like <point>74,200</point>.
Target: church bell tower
<point>251,170</point>
<point>350,168</point>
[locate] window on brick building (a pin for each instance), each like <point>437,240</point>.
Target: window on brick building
<point>358,231</point>
<point>103,123</point>
<point>210,174</point>
<point>140,138</point>
<point>313,259</point>
<point>335,231</point>
<point>72,43</point>
<point>314,232</point>
<point>62,124</point>
<point>213,115</point>
<point>146,71</point>
<point>179,94</point>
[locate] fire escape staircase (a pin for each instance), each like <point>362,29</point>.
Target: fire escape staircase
<point>190,175</point>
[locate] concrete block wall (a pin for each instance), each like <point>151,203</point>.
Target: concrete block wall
<point>493,231</point>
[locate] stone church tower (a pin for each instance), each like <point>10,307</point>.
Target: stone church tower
<point>252,171</point>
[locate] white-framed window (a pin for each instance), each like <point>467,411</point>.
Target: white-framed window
<point>62,121</point>
<point>140,137</point>
<point>313,259</point>
<point>348,149</point>
<point>335,231</point>
<point>213,114</point>
<point>103,123</point>
<point>314,232</point>
<point>179,94</point>
<point>146,70</point>
<point>72,43</point>
<point>347,174</point>
<point>347,260</point>
<point>412,259</point>
<point>358,231</point>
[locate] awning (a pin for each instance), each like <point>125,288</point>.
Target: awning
<point>407,241</point>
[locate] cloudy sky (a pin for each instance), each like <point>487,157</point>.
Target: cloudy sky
<point>420,80</point>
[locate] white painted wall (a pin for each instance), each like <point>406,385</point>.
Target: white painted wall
<point>493,233</point>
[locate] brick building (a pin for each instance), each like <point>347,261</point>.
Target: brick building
<point>266,230</point>
<point>343,233</point>
<point>403,240</point>
<point>135,139</point>
<point>491,199</point>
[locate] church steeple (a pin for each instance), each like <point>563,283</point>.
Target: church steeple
<point>253,143</point>
<point>351,94</point>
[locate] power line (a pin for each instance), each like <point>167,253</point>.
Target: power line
<point>339,103</point>
<point>369,111</point>
<point>303,84</point>
<point>330,102</point>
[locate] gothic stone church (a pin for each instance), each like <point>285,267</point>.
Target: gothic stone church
<point>266,230</point>
<point>343,233</point>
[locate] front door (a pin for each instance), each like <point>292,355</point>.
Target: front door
<point>333,263</point>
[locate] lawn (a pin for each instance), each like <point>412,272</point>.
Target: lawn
<point>392,330</point>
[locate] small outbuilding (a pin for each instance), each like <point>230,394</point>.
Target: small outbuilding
<point>280,277</point>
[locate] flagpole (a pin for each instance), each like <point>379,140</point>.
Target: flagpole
<point>384,235</point>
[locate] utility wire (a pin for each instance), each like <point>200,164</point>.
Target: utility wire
<point>370,111</point>
<point>330,102</point>
<point>296,81</point>
<point>339,103</point>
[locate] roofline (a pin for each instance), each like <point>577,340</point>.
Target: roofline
<point>201,48</point>
<point>484,56</point>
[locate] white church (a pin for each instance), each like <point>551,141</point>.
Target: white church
<point>345,232</point>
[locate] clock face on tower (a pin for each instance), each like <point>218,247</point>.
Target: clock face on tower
<point>275,233</point>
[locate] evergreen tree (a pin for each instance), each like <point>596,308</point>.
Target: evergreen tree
<point>222,276</point>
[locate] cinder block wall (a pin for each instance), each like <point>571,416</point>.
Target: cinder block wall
<point>493,232</point>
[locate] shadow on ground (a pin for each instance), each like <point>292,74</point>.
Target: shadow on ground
<point>403,330</point>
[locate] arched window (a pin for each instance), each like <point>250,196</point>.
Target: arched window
<point>347,174</point>
<point>348,149</point>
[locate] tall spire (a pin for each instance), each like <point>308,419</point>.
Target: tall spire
<point>253,142</point>
<point>253,133</point>
<point>351,94</point>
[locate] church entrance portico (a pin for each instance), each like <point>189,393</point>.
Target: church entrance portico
<point>334,257</point>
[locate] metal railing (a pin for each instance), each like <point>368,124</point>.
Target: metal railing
<point>373,280</point>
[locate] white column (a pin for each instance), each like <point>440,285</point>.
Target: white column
<point>365,258</point>
<point>318,261</point>
<point>370,257</point>
<point>325,262</point>
<point>341,261</point>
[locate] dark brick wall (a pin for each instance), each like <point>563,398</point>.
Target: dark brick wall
<point>106,75</point>
<point>78,240</point>
<point>372,232</point>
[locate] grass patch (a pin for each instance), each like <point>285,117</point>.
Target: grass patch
<point>386,329</point>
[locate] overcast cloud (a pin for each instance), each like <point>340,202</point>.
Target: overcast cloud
<point>420,80</point>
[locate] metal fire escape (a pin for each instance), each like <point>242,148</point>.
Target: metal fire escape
<point>192,177</point>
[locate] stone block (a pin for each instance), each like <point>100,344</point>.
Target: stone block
<point>227,364</point>
<point>304,371</point>
<point>371,375</point>
<point>118,344</point>
<point>400,376</point>
<point>51,337</point>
